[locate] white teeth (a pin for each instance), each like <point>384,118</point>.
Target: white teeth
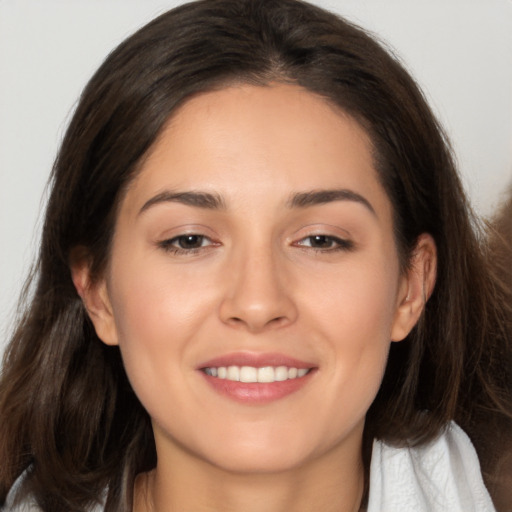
<point>249,374</point>
<point>266,374</point>
<point>233,373</point>
<point>281,373</point>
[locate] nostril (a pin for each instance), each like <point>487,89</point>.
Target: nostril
<point>278,320</point>
<point>255,325</point>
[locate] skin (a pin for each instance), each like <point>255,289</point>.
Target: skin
<point>257,283</point>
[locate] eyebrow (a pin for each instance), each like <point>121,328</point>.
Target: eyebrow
<point>317,197</point>
<point>198,199</point>
<point>211,201</point>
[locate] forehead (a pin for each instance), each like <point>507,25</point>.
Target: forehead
<point>259,141</point>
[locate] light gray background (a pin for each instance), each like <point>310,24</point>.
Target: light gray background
<point>459,50</point>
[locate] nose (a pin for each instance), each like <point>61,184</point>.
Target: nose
<point>258,294</point>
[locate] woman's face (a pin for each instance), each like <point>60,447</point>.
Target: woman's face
<point>255,244</point>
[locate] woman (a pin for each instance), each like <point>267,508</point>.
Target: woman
<point>259,285</point>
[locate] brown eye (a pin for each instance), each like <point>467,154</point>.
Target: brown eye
<point>186,244</point>
<point>325,243</point>
<point>189,241</point>
<point>321,242</point>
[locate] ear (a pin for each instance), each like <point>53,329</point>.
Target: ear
<point>94,295</point>
<point>416,287</point>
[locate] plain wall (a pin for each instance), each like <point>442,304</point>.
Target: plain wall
<point>460,51</point>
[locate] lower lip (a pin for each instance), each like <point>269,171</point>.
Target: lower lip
<point>256,392</point>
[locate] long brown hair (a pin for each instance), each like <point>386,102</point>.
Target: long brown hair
<point>69,416</point>
<point>499,254</point>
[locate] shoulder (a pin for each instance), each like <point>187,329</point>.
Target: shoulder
<point>441,476</point>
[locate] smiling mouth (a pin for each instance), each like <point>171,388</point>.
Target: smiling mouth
<point>252,374</point>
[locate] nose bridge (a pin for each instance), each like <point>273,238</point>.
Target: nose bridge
<point>256,293</point>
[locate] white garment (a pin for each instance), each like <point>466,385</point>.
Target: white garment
<point>442,476</point>
<point>28,504</point>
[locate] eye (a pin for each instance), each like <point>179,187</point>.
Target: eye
<point>325,243</point>
<point>186,244</point>
<point>189,241</point>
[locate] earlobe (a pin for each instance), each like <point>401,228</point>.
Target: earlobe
<point>94,295</point>
<point>416,287</point>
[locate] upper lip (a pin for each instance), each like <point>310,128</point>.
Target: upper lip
<point>257,360</point>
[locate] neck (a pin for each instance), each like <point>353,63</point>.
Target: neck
<point>331,483</point>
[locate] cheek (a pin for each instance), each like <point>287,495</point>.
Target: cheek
<point>157,314</point>
<point>356,305</point>
<point>155,304</point>
<point>352,315</point>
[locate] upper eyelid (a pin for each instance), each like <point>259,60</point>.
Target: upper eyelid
<point>332,237</point>
<point>337,239</point>
<point>171,245</point>
<point>327,230</point>
<point>172,239</point>
<point>323,228</point>
<point>186,230</point>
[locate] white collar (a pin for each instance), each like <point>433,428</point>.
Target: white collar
<point>442,476</point>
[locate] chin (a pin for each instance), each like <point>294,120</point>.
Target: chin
<point>263,454</point>
<point>259,463</point>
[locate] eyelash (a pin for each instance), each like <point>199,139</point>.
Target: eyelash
<point>340,244</point>
<point>171,247</point>
<point>168,245</point>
